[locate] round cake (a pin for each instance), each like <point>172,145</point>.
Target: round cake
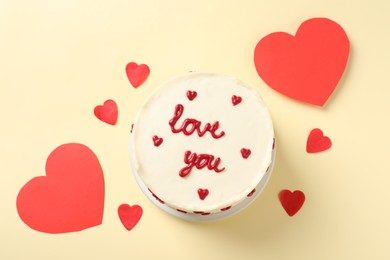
<point>202,145</point>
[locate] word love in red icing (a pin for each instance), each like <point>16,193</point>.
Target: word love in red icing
<point>190,125</point>
<point>199,161</point>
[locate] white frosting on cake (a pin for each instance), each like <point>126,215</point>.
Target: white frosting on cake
<point>246,125</point>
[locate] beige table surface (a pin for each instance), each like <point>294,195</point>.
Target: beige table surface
<point>59,59</point>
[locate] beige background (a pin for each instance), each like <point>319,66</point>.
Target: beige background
<point>59,59</point>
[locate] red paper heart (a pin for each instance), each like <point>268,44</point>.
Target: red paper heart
<point>157,140</point>
<point>129,215</point>
<point>317,142</point>
<point>108,112</point>
<point>191,95</point>
<point>245,153</point>
<point>137,74</point>
<point>71,195</point>
<point>203,193</point>
<point>236,100</point>
<point>306,67</point>
<point>291,201</point>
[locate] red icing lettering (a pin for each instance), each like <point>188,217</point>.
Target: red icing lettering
<point>190,125</point>
<point>199,161</point>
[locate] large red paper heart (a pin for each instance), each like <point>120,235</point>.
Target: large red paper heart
<point>306,67</point>
<point>137,74</point>
<point>108,112</point>
<point>291,201</point>
<point>71,195</point>
<point>129,215</point>
<point>317,142</point>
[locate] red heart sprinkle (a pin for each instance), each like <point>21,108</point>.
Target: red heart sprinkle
<point>227,208</point>
<point>137,74</point>
<point>203,193</point>
<point>157,198</point>
<point>108,112</point>
<point>70,197</point>
<point>305,67</point>
<point>191,95</point>
<point>251,193</point>
<point>236,100</point>
<point>317,142</point>
<point>157,140</point>
<point>245,153</point>
<point>291,201</point>
<point>129,215</point>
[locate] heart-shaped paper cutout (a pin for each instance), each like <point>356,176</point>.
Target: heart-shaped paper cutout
<point>306,67</point>
<point>108,112</point>
<point>137,74</point>
<point>291,201</point>
<point>317,142</point>
<point>203,193</point>
<point>157,141</point>
<point>191,95</point>
<point>236,100</point>
<point>129,215</point>
<point>71,195</point>
<point>245,153</point>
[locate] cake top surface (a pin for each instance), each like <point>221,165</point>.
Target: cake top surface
<point>202,142</point>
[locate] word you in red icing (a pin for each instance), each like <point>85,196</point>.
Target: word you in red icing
<point>190,125</point>
<point>200,161</point>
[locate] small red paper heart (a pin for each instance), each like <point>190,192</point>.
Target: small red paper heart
<point>129,215</point>
<point>203,193</point>
<point>157,140</point>
<point>308,66</point>
<point>236,100</point>
<point>291,201</point>
<point>317,142</point>
<point>108,112</point>
<point>245,153</point>
<point>71,195</point>
<point>191,95</point>
<point>137,74</point>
